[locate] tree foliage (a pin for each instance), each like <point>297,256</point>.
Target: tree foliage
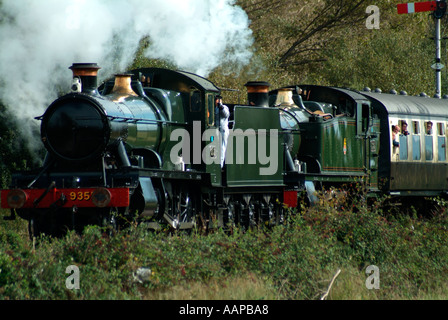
<point>307,35</point>
<point>327,42</point>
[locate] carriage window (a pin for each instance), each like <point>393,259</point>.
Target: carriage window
<point>404,127</point>
<point>441,142</point>
<point>429,140</point>
<point>428,127</point>
<point>441,145</point>
<point>440,129</point>
<point>403,147</point>
<point>415,127</point>
<point>428,147</point>
<point>416,150</point>
<point>404,132</point>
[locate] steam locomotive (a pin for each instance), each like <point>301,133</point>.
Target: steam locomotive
<point>146,145</point>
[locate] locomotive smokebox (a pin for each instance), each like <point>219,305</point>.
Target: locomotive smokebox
<point>258,93</point>
<point>85,77</point>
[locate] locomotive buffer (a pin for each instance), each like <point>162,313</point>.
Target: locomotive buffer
<point>438,9</point>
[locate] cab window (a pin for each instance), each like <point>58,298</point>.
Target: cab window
<point>210,110</point>
<point>195,101</point>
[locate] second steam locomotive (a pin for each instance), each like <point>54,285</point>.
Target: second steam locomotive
<point>146,145</point>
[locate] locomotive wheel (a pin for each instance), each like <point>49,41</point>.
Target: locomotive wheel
<point>229,217</point>
<point>180,211</point>
<point>259,212</point>
<point>266,213</point>
<point>185,210</point>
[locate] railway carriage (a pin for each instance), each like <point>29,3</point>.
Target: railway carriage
<point>418,166</point>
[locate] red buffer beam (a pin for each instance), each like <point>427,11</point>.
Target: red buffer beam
<point>416,7</point>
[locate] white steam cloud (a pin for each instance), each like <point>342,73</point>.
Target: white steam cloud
<point>39,40</point>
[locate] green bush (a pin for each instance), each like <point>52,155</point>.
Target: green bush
<point>295,260</point>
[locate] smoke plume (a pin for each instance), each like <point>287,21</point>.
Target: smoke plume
<point>39,40</point>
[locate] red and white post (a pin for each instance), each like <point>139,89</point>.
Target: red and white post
<point>438,9</point>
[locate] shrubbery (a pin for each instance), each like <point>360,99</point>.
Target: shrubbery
<point>294,261</point>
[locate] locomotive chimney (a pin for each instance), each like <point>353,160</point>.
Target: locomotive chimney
<point>85,77</point>
<point>258,93</point>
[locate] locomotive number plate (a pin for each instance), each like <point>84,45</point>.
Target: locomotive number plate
<point>80,195</point>
<point>67,198</point>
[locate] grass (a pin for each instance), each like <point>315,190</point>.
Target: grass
<point>294,261</point>
<point>245,287</point>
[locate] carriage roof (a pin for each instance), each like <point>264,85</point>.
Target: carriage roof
<point>405,105</point>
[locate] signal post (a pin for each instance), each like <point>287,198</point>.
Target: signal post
<point>438,9</point>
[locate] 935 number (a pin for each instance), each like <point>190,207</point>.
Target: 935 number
<point>80,195</point>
